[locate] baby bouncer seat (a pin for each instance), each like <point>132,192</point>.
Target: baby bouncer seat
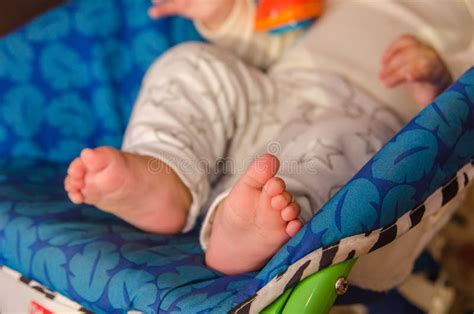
<point>68,80</point>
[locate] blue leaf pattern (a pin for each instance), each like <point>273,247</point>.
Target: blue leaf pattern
<point>40,208</point>
<point>63,67</point>
<point>407,158</point>
<point>137,17</point>
<point>198,303</point>
<point>113,56</point>
<point>15,59</point>
<point>71,115</point>
<point>97,18</point>
<point>49,27</point>
<point>49,267</point>
<point>448,112</point>
<point>178,278</point>
<point>27,149</point>
<point>140,254</point>
<point>5,209</point>
<point>67,149</point>
<point>148,45</point>
<point>23,104</point>
<point>396,202</point>
<point>133,289</point>
<point>406,170</point>
<point>462,152</point>
<point>357,197</point>
<point>89,269</point>
<point>464,148</point>
<point>68,80</point>
<point>19,236</point>
<point>58,233</point>
<point>107,104</point>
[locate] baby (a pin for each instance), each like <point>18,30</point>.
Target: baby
<point>319,109</point>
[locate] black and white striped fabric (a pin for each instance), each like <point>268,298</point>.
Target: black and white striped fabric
<point>357,245</point>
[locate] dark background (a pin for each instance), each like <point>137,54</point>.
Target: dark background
<point>14,13</point>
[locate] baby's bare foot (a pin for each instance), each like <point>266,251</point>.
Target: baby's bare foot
<point>123,184</point>
<point>254,221</point>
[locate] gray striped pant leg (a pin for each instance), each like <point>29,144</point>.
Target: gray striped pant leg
<point>197,105</point>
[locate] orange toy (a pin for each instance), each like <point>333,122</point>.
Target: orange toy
<point>278,16</point>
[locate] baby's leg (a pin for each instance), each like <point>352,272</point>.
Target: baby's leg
<point>320,149</point>
<point>261,211</point>
<point>194,107</point>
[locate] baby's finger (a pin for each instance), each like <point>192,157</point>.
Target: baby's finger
<point>400,59</point>
<point>395,63</point>
<point>397,77</point>
<point>399,44</point>
<point>422,70</point>
<point>163,8</point>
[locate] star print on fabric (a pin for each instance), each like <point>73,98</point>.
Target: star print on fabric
<point>163,93</point>
<point>324,153</point>
<point>306,115</point>
<point>267,117</point>
<point>352,109</point>
<point>367,137</point>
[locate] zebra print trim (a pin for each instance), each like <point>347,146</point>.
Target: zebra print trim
<point>366,243</point>
<point>49,294</point>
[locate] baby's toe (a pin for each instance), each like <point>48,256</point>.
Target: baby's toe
<point>77,184</point>
<point>293,227</point>
<point>274,186</point>
<point>281,200</point>
<point>290,212</point>
<point>95,160</point>
<point>67,184</point>
<point>72,184</point>
<point>76,168</point>
<point>76,197</point>
<point>260,171</point>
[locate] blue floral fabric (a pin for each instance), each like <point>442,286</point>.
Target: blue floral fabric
<point>425,154</point>
<point>68,81</point>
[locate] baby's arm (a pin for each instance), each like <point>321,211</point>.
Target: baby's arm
<point>409,60</point>
<point>212,13</point>
<point>229,24</point>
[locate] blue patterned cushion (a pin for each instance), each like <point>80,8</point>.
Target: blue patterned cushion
<point>68,81</point>
<point>93,257</point>
<point>425,154</point>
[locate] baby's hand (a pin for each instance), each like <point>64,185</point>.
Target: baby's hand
<point>210,12</point>
<point>408,60</point>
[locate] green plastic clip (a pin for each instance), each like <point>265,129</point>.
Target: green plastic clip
<point>316,294</point>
